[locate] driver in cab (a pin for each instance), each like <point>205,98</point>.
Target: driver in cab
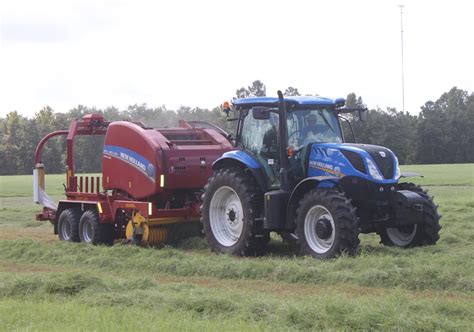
<point>311,126</point>
<point>314,132</point>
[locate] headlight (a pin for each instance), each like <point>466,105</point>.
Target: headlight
<point>373,171</point>
<point>398,172</point>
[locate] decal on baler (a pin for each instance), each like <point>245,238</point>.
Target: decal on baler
<point>132,158</point>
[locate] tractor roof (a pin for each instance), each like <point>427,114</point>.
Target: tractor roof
<point>297,102</point>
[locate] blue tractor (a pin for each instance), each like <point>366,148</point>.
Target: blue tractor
<point>293,174</point>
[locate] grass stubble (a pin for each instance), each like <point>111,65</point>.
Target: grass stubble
<point>48,285</point>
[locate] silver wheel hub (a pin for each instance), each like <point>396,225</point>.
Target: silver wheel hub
<point>87,232</point>
<point>226,216</point>
<point>402,236</point>
<point>319,229</point>
<point>66,230</point>
<point>323,228</point>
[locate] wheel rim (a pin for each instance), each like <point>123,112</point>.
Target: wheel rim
<point>402,236</point>
<point>87,232</point>
<point>317,243</point>
<point>66,230</point>
<point>226,216</point>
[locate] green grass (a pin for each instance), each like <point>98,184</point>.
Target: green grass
<point>50,285</point>
<point>131,302</point>
<point>22,185</point>
<point>443,174</point>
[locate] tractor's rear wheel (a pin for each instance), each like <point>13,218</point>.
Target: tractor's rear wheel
<point>228,213</point>
<point>426,233</point>
<point>92,231</point>
<point>68,225</point>
<point>327,224</point>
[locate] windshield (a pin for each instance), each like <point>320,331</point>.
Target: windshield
<point>313,126</point>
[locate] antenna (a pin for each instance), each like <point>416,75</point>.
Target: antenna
<point>403,66</point>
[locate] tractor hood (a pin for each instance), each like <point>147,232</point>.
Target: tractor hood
<point>371,162</point>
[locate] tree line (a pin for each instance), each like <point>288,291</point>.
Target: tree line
<point>441,133</point>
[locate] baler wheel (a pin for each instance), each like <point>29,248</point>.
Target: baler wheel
<point>91,230</point>
<point>68,225</point>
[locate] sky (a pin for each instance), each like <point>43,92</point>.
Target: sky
<point>197,53</point>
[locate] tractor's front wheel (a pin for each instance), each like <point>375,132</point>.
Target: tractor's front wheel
<point>327,224</point>
<point>228,213</point>
<point>426,233</point>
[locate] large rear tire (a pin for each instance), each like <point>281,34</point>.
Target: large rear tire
<point>92,231</point>
<point>327,224</point>
<point>68,225</point>
<point>228,213</point>
<point>423,234</point>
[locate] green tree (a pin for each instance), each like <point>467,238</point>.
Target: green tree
<point>16,145</point>
<point>242,93</point>
<point>353,101</point>
<point>256,89</point>
<point>390,128</point>
<point>442,133</point>
<point>445,133</point>
<point>45,122</point>
<point>290,91</point>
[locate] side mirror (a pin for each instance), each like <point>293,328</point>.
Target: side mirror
<point>261,113</point>
<point>363,115</point>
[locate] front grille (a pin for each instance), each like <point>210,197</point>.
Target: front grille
<point>355,159</point>
<point>385,164</point>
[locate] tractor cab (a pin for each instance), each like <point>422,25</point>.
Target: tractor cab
<point>309,120</point>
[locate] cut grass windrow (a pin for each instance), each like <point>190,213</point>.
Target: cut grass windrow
<point>144,296</point>
<point>385,267</point>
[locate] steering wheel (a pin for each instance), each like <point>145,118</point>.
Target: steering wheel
<point>293,133</point>
<point>299,148</point>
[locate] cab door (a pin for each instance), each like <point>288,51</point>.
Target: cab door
<point>259,138</point>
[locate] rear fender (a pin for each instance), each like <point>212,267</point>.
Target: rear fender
<point>237,155</point>
<point>301,189</point>
<point>241,160</point>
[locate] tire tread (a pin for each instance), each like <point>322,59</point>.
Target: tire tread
<point>344,217</point>
<point>74,215</point>
<point>428,232</point>
<point>249,193</point>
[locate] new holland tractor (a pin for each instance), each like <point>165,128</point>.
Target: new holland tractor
<point>292,173</point>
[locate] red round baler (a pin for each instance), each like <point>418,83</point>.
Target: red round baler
<point>151,179</point>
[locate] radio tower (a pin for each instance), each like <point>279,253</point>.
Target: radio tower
<point>403,66</point>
